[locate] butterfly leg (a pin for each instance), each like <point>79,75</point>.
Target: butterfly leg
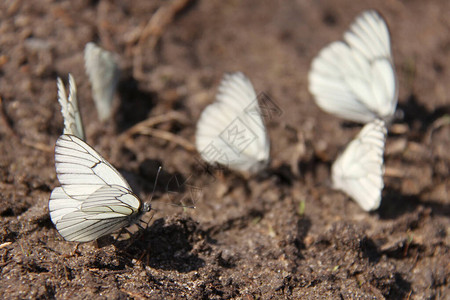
<point>116,239</point>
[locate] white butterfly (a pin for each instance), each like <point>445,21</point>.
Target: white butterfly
<point>231,130</point>
<point>355,79</point>
<point>103,72</point>
<point>73,123</point>
<point>94,199</point>
<point>359,169</point>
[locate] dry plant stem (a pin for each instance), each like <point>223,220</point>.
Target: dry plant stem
<point>5,245</point>
<point>393,172</point>
<point>154,30</point>
<point>437,124</point>
<point>399,128</point>
<point>171,116</point>
<point>5,121</point>
<point>104,27</point>
<point>38,146</point>
<point>144,128</point>
<point>168,136</point>
<point>299,152</point>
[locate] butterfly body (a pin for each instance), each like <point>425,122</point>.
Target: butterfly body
<point>231,130</point>
<point>358,171</point>
<point>354,79</point>
<point>103,72</point>
<point>94,199</point>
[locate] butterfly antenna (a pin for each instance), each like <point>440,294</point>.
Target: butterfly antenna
<point>181,205</point>
<point>156,181</point>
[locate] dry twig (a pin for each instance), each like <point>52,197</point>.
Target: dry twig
<point>5,121</point>
<point>145,128</point>
<point>153,31</point>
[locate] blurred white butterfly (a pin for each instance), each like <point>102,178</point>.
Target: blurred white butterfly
<point>355,79</point>
<point>94,199</point>
<point>231,130</point>
<point>359,169</point>
<point>103,72</point>
<point>73,123</point>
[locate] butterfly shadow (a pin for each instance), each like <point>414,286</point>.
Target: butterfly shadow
<point>282,174</point>
<point>417,116</point>
<point>395,204</point>
<point>157,183</point>
<point>135,104</point>
<point>166,245</point>
<point>303,226</point>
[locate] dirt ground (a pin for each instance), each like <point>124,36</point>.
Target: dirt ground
<point>284,234</point>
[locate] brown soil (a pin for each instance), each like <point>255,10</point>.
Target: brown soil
<point>284,234</point>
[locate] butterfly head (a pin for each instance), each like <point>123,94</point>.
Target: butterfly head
<point>146,207</point>
<point>259,166</point>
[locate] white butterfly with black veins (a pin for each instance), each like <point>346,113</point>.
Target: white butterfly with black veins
<point>231,130</point>
<point>355,78</point>
<point>103,72</point>
<point>359,169</point>
<point>94,199</point>
<point>73,123</point>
